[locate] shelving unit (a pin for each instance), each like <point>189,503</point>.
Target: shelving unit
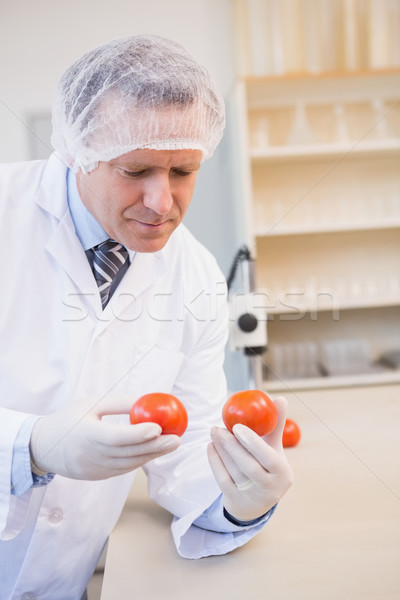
<point>319,160</point>
<point>321,151</point>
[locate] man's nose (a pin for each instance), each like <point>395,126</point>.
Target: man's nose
<point>157,195</point>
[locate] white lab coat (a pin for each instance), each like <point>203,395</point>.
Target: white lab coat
<point>164,330</point>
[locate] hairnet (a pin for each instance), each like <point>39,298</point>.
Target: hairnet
<point>137,92</point>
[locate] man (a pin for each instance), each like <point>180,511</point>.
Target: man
<point>106,297</point>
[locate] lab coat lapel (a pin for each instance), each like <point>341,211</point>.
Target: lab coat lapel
<point>65,247</point>
<point>63,244</point>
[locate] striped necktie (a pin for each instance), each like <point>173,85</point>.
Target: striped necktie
<point>110,260</point>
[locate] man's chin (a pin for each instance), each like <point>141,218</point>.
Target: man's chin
<point>147,239</point>
<point>147,245</point>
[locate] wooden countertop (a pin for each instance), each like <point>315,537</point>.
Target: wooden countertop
<point>335,535</point>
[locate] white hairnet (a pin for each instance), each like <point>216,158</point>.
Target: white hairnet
<point>143,91</point>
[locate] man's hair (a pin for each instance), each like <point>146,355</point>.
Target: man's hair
<point>117,84</point>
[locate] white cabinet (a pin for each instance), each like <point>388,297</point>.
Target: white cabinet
<point>320,179</point>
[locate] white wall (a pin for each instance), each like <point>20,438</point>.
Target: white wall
<point>39,39</point>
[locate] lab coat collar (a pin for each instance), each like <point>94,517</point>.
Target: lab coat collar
<point>51,194</point>
<point>63,243</point>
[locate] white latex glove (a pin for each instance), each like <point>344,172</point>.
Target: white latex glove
<point>252,471</point>
<point>76,443</point>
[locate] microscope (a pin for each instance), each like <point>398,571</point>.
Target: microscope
<point>247,317</point>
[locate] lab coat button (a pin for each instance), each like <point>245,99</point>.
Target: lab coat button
<point>28,596</point>
<point>55,515</point>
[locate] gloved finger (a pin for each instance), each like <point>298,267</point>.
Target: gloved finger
<point>111,467</point>
<point>109,405</point>
<point>114,435</point>
<point>161,444</point>
<point>222,441</point>
<point>240,464</point>
<point>274,439</point>
<point>258,448</point>
<point>127,465</point>
<point>222,477</point>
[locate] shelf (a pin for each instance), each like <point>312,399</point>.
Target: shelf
<point>289,385</point>
<point>323,76</point>
<point>331,227</point>
<point>321,151</point>
<point>270,92</point>
<point>332,304</point>
<point>319,175</point>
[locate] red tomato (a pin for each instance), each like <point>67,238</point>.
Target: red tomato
<point>252,408</point>
<point>164,409</point>
<point>291,434</point>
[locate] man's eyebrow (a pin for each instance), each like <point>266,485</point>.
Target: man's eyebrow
<point>132,165</point>
<point>140,165</point>
<point>188,166</point>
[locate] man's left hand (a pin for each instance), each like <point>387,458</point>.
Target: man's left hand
<point>252,472</point>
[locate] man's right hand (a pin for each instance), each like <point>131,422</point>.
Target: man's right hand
<point>75,442</point>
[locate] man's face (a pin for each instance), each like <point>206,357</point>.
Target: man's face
<point>141,197</point>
